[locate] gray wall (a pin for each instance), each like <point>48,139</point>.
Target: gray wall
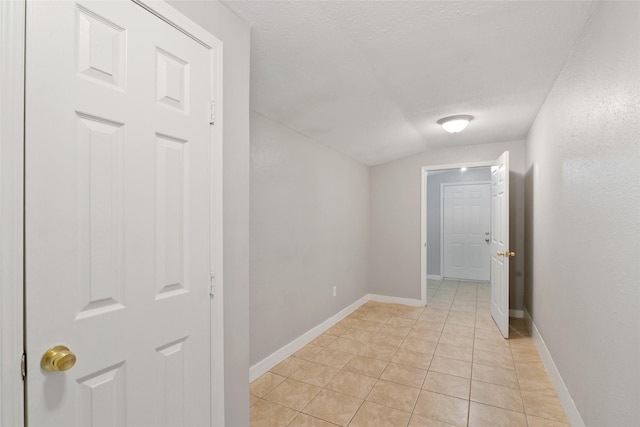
<point>395,217</point>
<point>434,211</point>
<point>309,232</point>
<point>583,218</point>
<point>221,22</point>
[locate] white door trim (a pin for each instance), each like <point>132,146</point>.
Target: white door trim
<point>442,185</point>
<point>423,216</point>
<point>12,43</point>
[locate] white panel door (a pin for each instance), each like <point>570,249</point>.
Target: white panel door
<point>500,243</point>
<point>117,217</point>
<point>466,225</point>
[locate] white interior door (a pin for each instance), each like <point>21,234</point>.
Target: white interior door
<point>500,243</point>
<point>117,215</point>
<point>466,225</point>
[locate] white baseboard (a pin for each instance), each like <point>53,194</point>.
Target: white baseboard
<point>519,314</point>
<point>279,355</point>
<point>434,277</point>
<point>569,406</point>
<point>396,300</point>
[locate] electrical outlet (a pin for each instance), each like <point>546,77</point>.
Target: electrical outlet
<point>334,291</point>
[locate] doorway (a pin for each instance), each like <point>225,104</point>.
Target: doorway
<point>498,237</point>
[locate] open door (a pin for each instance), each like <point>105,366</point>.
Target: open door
<point>117,218</point>
<point>500,253</point>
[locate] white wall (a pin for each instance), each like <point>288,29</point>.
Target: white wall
<point>221,22</point>
<point>309,232</point>
<point>434,199</point>
<point>583,219</point>
<point>395,217</point>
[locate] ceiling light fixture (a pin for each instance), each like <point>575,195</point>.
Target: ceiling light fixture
<point>455,124</point>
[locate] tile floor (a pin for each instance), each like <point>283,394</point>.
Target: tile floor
<point>392,365</point>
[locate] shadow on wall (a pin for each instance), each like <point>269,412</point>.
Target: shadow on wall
<point>516,238</point>
<point>528,240</point>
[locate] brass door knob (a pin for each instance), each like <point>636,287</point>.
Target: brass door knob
<point>58,358</point>
<point>507,254</point>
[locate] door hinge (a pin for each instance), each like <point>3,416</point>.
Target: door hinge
<point>212,112</point>
<point>23,366</point>
<point>212,285</point>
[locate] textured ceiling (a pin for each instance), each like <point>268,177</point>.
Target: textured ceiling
<point>370,79</point>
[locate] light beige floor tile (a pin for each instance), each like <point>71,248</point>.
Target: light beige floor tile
<point>419,345</point>
<point>456,340</point>
<point>308,351</point>
<point>405,375</point>
<point>496,395</point>
<point>461,324</point>
<point>384,339</point>
<point>358,335</point>
<point>543,422</point>
<point>543,406</point>
<point>346,345</point>
<point>429,325</point>
<point>348,321</point>
<point>323,340</point>
<point>394,395</point>
<point>315,374</point>
<point>399,331</point>
<point>371,414</point>
<point>454,352</point>
<point>293,394</point>
<point>491,345</point>
<point>288,366</point>
<point>351,383</point>
<point>420,421</point>
<point>378,351</point>
<point>443,408</point>
<point>304,420</point>
<point>262,385</point>
<point>413,359</point>
<point>535,380</point>
<point>334,407</point>
<point>412,313</point>
<point>501,359</point>
<point>488,416</point>
<point>491,332</point>
<point>253,400</point>
<point>401,321</point>
<point>452,349</point>
<point>447,384</point>
<point>269,414</point>
<point>425,334</point>
<point>459,368</point>
<point>367,325</point>
<point>336,330</point>
<point>333,358</point>
<point>495,375</point>
<point>366,366</point>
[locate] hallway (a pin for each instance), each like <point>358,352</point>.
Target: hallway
<point>394,365</point>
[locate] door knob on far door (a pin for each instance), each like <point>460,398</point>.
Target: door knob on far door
<point>507,254</point>
<point>58,358</point>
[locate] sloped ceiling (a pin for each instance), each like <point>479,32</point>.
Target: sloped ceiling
<point>371,78</point>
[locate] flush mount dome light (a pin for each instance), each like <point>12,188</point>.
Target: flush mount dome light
<point>455,124</point>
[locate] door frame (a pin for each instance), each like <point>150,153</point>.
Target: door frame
<point>12,99</point>
<point>423,216</point>
<point>12,42</point>
<point>442,185</point>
